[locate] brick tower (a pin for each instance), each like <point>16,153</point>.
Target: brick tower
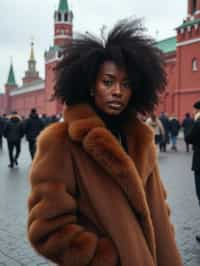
<point>63,18</point>
<point>9,86</point>
<point>63,24</point>
<point>188,60</point>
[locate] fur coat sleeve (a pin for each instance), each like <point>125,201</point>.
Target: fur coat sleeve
<point>52,225</point>
<point>160,214</point>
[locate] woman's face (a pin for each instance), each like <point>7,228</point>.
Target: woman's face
<point>112,91</point>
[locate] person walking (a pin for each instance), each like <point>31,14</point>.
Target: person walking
<point>154,122</point>
<point>166,124</point>
<point>2,126</point>
<point>174,126</point>
<point>32,127</point>
<point>187,124</point>
<point>96,194</point>
<point>193,137</point>
<point>13,132</point>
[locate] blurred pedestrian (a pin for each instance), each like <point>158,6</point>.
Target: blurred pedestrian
<point>54,119</point>
<point>187,124</point>
<point>45,119</point>
<point>174,126</point>
<point>96,194</point>
<point>13,132</point>
<point>166,124</point>
<point>32,128</point>
<point>193,137</point>
<point>2,125</point>
<point>154,122</point>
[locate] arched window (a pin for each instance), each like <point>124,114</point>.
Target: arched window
<point>194,6</point>
<point>194,64</point>
<point>66,17</point>
<point>62,32</point>
<point>59,17</point>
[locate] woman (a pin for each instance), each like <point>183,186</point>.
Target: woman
<point>154,122</point>
<point>97,198</point>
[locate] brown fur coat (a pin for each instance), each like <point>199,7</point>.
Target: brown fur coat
<point>93,204</point>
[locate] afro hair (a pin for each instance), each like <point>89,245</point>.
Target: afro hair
<point>127,46</point>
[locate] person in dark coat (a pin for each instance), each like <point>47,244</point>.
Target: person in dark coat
<point>174,127</point>
<point>166,124</point>
<point>13,132</point>
<point>2,125</point>
<point>187,125</point>
<point>32,127</point>
<point>193,137</point>
<point>45,120</point>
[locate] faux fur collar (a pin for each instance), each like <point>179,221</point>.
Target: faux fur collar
<point>130,171</point>
<point>87,127</point>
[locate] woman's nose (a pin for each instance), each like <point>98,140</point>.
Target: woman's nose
<point>117,89</point>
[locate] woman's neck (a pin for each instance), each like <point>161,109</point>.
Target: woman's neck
<point>111,121</point>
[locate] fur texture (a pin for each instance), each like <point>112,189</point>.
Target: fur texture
<point>122,217</point>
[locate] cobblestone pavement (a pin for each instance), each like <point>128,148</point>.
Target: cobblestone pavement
<point>175,170</point>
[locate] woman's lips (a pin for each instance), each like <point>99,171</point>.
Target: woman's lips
<point>115,105</point>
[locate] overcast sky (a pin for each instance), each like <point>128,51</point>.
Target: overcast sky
<point>22,19</point>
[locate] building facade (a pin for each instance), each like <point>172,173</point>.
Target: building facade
<point>182,58</point>
<point>182,64</point>
<point>36,92</point>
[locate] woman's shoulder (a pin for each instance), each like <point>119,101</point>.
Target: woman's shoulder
<point>55,134</point>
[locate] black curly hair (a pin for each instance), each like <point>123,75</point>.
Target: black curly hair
<point>127,46</point>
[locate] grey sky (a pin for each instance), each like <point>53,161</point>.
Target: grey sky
<point>21,19</point>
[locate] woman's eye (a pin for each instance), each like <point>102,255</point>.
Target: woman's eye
<point>107,82</point>
<point>126,85</point>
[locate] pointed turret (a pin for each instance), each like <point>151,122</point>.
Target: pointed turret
<point>32,57</point>
<point>63,6</point>
<point>63,24</point>
<point>10,86</point>
<point>11,77</point>
<point>31,74</point>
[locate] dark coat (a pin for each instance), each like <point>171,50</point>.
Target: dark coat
<point>13,130</point>
<point>166,124</point>
<point>91,203</point>
<point>33,126</point>
<point>187,125</point>
<point>2,125</point>
<point>174,127</point>
<point>193,137</point>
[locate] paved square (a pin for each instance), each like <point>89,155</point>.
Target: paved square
<point>14,188</point>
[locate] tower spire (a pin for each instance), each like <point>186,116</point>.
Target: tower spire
<point>11,76</point>
<point>31,74</point>
<point>63,6</point>
<point>32,56</point>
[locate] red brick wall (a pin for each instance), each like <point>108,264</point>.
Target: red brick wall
<point>52,107</point>
<point>2,104</point>
<point>23,103</point>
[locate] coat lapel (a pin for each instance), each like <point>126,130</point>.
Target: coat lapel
<point>131,170</point>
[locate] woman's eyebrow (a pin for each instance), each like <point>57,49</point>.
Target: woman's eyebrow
<point>109,75</point>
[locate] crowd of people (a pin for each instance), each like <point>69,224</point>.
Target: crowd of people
<point>167,129</point>
<point>13,128</point>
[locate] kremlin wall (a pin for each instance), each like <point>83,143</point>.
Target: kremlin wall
<point>182,59</point>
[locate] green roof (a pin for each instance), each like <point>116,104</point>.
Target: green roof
<point>189,23</point>
<point>11,77</point>
<point>168,45</point>
<point>63,6</point>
